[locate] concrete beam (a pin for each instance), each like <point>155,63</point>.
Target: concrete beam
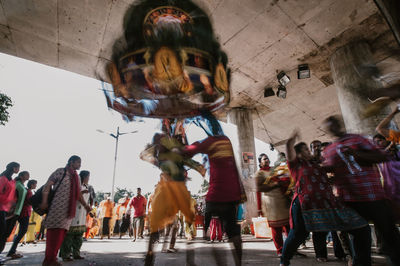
<point>33,47</point>
<point>373,29</point>
<point>77,61</point>
<point>231,16</point>
<point>37,18</point>
<point>248,47</point>
<point>390,9</point>
<point>282,55</point>
<point>339,17</point>
<point>114,28</point>
<point>6,43</point>
<point>82,24</point>
<point>303,11</point>
<point>3,19</point>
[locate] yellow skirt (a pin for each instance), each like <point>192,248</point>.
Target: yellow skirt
<point>30,234</point>
<point>169,198</point>
<point>35,222</point>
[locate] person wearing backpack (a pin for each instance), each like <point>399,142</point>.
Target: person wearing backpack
<point>62,207</point>
<point>19,198</point>
<point>24,209</point>
<point>7,194</point>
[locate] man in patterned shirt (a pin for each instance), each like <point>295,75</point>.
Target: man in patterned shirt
<point>352,158</point>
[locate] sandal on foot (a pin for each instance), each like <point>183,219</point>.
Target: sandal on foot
<point>172,250</point>
<point>15,256</point>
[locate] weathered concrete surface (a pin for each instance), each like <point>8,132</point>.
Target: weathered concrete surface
<point>242,118</point>
<point>124,252</point>
<point>353,87</point>
<point>261,38</point>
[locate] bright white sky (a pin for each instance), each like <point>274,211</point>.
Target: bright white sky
<point>56,114</point>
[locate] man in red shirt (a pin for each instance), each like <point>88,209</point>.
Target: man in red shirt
<point>138,203</point>
<point>352,158</point>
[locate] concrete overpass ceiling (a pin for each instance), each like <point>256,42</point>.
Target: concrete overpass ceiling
<point>261,37</point>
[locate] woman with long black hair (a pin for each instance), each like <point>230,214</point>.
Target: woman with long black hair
<point>24,213</point>
<point>62,208</point>
<point>7,195</point>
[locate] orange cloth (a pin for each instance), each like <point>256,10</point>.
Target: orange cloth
<point>394,136</point>
<point>125,203</point>
<point>169,198</point>
<point>11,237</point>
<point>117,211</point>
<point>108,205</point>
<point>94,230</point>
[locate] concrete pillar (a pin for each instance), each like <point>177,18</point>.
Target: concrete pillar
<point>242,118</point>
<point>353,86</point>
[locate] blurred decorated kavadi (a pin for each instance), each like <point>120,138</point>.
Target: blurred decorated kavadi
<point>168,64</point>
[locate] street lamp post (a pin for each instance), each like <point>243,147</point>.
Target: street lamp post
<point>116,137</point>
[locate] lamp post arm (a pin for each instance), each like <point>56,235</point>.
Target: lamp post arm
<point>135,131</point>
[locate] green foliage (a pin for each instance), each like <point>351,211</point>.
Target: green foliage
<point>100,195</point>
<point>5,103</point>
<point>196,196</point>
<point>119,194</point>
<point>246,230</point>
<point>204,187</point>
<point>147,195</point>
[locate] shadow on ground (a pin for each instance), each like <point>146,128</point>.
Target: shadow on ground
<point>123,252</point>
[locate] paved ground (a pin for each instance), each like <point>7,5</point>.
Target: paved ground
<point>125,252</point>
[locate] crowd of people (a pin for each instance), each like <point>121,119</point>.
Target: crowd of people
<point>72,215</point>
<point>338,188</point>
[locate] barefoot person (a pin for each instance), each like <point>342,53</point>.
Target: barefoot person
<point>352,159</point>
<point>171,194</point>
<point>225,190</point>
<point>276,200</point>
<point>314,208</point>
